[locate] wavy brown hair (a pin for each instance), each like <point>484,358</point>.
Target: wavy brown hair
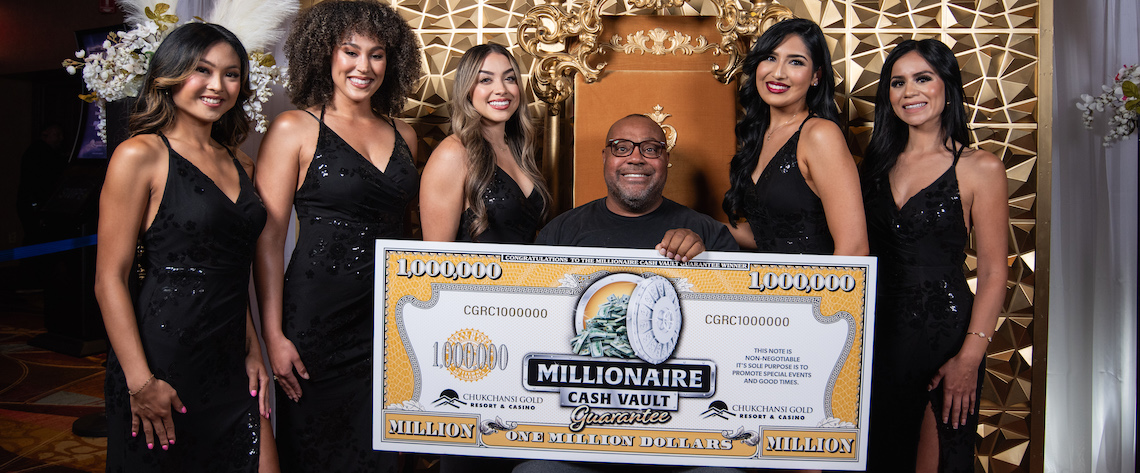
<point>173,62</point>
<point>467,124</point>
<point>319,30</point>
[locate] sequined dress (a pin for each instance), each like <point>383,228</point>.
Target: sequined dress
<point>344,204</point>
<point>922,314</point>
<point>512,217</point>
<point>784,213</point>
<point>191,314</point>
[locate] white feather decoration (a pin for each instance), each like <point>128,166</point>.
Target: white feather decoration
<point>135,10</point>
<point>257,23</point>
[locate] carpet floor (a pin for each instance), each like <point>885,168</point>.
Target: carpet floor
<point>42,393</point>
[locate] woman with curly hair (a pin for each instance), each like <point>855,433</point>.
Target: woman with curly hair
<point>792,177</point>
<point>185,362</point>
<point>926,189</point>
<point>481,183</point>
<point>346,166</point>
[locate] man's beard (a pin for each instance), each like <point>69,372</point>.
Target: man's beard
<point>637,202</point>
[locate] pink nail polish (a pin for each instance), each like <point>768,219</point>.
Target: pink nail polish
<point>253,392</point>
<point>166,447</point>
<point>150,446</point>
<point>172,441</point>
<point>134,434</point>
<point>183,409</point>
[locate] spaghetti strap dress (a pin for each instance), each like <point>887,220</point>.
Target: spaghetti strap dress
<point>191,313</point>
<point>921,319</point>
<point>784,213</point>
<point>343,205</point>
<point>511,216</point>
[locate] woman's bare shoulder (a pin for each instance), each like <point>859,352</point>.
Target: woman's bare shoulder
<point>981,162</point>
<point>294,121</point>
<point>981,173</point>
<point>404,129</point>
<point>451,151</point>
<point>822,139</point>
<point>140,150</point>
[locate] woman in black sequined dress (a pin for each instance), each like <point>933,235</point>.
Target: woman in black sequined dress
<point>185,379</point>
<point>346,166</point>
<point>792,178</point>
<point>925,190</point>
<point>482,184</point>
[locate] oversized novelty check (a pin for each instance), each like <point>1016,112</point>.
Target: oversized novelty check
<point>586,354</point>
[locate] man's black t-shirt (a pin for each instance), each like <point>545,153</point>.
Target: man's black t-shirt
<point>595,225</point>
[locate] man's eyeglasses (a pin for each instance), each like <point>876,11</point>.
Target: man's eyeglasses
<point>649,149</point>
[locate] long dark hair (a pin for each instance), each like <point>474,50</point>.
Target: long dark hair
<point>890,134</point>
<point>173,62</point>
<point>757,114</point>
<point>466,123</point>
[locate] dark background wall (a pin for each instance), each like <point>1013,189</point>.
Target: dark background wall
<point>35,37</point>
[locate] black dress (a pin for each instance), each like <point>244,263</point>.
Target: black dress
<point>191,314</point>
<point>923,311</point>
<point>511,216</point>
<point>784,213</point>
<point>344,204</point>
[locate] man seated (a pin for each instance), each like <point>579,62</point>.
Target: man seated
<point>634,214</point>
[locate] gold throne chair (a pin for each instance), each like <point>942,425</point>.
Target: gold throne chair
<point>675,61</point>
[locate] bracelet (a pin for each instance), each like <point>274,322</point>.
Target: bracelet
<point>981,334</point>
<point>139,390</point>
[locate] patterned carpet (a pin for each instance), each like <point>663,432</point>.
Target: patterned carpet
<point>42,393</point>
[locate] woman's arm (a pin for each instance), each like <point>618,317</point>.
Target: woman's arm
<point>278,173</point>
<point>742,233</point>
<point>441,191</point>
<point>830,172</point>
<point>128,197</point>
<point>255,367</point>
<point>267,459</point>
<point>983,182</point>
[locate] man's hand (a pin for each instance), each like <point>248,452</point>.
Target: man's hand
<point>681,244</point>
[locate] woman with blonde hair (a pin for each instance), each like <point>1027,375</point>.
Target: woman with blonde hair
<point>345,164</point>
<point>482,184</point>
<point>185,362</point>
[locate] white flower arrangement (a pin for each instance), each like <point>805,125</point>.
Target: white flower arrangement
<point>118,71</point>
<point>1123,97</point>
<point>263,72</point>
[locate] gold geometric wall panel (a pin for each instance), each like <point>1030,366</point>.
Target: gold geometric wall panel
<point>997,46</point>
<point>447,28</point>
<point>997,43</point>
